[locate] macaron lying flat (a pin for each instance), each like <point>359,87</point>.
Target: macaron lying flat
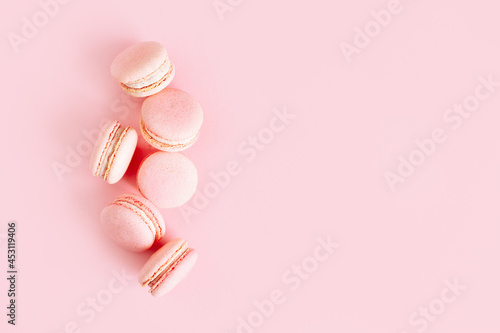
<point>167,179</point>
<point>167,267</point>
<point>133,222</point>
<point>113,151</point>
<point>143,69</point>
<point>171,120</point>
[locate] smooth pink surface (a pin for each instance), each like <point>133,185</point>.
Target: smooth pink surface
<point>321,175</point>
<point>168,180</point>
<point>164,256</point>
<point>132,222</point>
<point>172,115</point>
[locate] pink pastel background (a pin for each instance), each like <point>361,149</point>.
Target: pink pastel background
<point>322,176</point>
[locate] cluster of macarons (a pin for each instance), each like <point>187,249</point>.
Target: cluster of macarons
<point>170,122</point>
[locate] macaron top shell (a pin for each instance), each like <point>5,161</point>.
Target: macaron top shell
<point>133,222</point>
<point>168,180</point>
<point>167,266</point>
<point>113,151</point>
<point>138,61</point>
<point>172,116</point>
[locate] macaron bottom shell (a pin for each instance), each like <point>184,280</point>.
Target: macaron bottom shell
<point>152,88</point>
<point>164,144</point>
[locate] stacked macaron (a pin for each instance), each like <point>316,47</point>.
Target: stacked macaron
<point>170,122</point>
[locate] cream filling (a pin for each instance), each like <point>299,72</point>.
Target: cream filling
<point>164,269</point>
<point>109,152</point>
<point>151,78</point>
<point>139,211</point>
<point>170,142</point>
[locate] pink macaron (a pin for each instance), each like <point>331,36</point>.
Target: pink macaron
<point>167,267</point>
<point>133,222</point>
<point>113,151</point>
<point>171,120</point>
<point>143,69</point>
<point>167,179</point>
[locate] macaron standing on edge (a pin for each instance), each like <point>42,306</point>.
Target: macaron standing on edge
<point>113,151</point>
<point>168,180</point>
<point>167,267</point>
<point>133,222</point>
<point>143,69</point>
<point>171,120</point>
